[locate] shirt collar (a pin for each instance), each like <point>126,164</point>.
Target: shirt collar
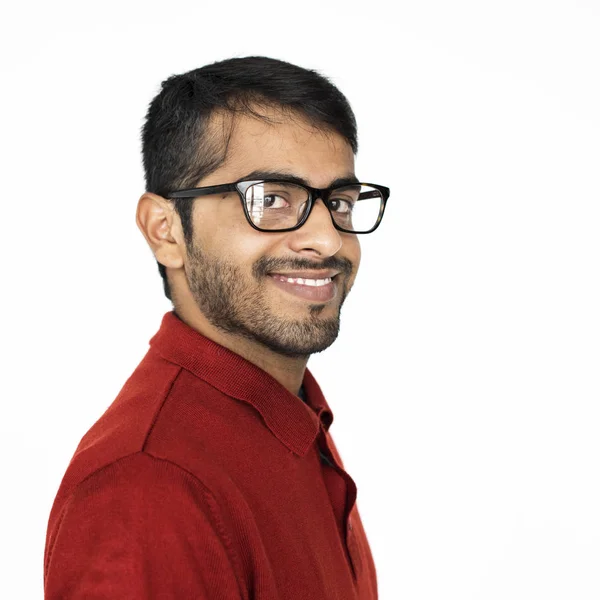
<point>293,422</point>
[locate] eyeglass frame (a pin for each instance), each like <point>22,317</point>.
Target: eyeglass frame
<point>241,187</point>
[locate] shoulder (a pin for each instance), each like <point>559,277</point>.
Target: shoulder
<point>140,472</point>
<point>142,489</point>
<point>124,519</point>
<point>139,485</point>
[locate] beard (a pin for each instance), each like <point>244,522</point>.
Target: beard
<point>238,304</point>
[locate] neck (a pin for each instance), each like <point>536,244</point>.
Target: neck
<point>288,371</point>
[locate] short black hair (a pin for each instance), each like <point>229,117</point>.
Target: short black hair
<point>178,147</point>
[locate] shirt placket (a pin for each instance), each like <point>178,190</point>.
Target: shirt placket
<point>342,492</point>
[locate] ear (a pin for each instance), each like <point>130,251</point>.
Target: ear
<point>160,225</point>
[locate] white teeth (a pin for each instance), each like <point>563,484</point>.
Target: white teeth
<point>309,282</point>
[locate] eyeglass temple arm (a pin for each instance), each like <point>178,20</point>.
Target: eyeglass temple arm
<point>203,191</point>
<point>369,194</point>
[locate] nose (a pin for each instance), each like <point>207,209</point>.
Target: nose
<point>317,235</point>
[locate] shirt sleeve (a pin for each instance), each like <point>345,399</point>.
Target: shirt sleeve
<point>140,527</point>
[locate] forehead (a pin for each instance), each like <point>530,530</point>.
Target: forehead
<point>281,141</point>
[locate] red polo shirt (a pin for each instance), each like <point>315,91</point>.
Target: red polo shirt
<point>207,479</point>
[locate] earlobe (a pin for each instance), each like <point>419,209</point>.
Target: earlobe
<point>160,225</point>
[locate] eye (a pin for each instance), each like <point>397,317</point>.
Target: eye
<point>274,201</point>
<point>341,205</point>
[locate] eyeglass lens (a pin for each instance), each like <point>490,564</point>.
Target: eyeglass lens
<point>281,205</point>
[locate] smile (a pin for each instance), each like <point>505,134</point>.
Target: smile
<point>300,281</point>
<point>315,290</point>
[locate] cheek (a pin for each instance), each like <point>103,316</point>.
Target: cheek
<point>243,247</point>
<point>220,224</point>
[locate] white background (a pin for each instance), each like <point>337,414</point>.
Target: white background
<point>465,382</point>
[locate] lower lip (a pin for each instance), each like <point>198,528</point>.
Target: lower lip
<point>323,293</point>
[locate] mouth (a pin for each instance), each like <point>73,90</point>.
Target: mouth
<point>316,288</point>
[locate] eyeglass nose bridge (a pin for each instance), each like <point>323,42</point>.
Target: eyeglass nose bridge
<point>315,194</point>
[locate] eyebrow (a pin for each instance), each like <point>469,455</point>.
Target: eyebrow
<point>259,174</point>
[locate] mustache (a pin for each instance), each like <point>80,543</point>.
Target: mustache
<point>265,265</point>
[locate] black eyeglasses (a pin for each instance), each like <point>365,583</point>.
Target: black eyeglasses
<point>279,205</point>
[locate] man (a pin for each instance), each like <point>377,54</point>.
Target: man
<point>213,474</point>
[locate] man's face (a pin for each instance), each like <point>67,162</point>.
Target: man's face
<point>238,276</point>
